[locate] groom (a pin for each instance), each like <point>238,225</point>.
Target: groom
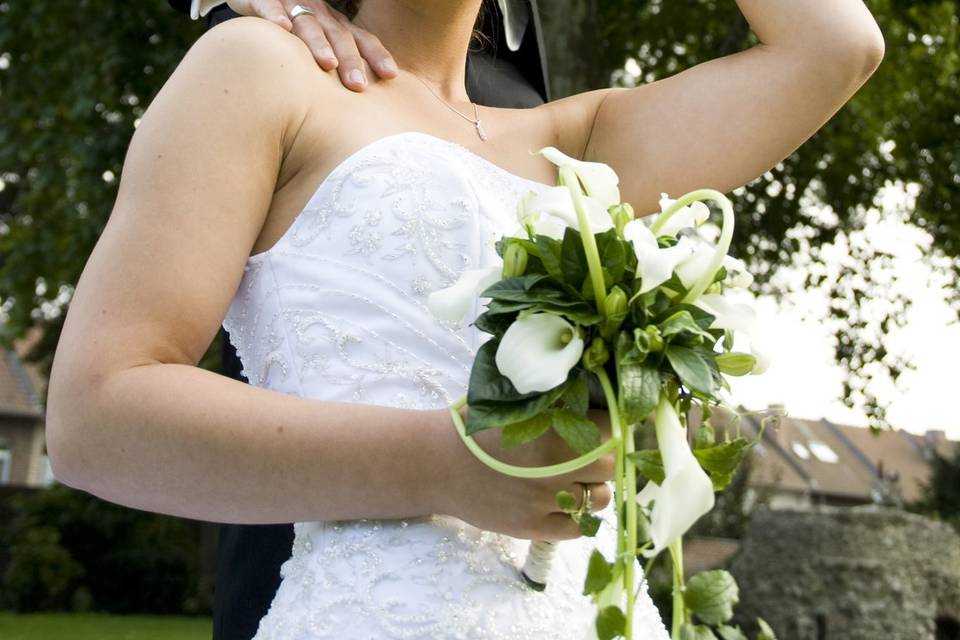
<point>511,73</point>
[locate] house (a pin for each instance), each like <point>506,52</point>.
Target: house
<point>801,463</point>
<point>23,460</point>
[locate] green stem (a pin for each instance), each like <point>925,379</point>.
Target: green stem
<point>679,606</point>
<point>723,245</point>
<point>625,477</point>
<point>569,178</point>
<point>526,472</point>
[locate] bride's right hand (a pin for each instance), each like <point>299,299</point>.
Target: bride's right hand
<point>520,507</point>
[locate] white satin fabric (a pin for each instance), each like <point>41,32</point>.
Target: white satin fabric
<point>336,310</point>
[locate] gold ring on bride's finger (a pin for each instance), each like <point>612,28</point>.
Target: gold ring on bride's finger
<point>584,500</point>
<point>299,10</point>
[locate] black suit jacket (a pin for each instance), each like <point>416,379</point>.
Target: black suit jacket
<point>249,556</point>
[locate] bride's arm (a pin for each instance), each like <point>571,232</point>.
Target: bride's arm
<point>130,417</point>
<point>722,123</point>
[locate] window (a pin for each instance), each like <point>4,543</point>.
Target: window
<point>822,451</point>
<point>800,450</point>
<point>5,462</point>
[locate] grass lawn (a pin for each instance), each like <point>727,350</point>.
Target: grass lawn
<point>98,626</point>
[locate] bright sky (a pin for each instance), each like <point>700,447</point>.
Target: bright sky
<point>803,375</point>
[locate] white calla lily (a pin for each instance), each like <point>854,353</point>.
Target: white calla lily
<point>537,351</point>
<point>557,202</point>
<point>737,274</point>
<point>453,302</point>
<point>654,264</point>
<point>686,492</point>
<point>599,180</point>
<point>694,267</point>
<point>692,215</point>
<point>735,317</point>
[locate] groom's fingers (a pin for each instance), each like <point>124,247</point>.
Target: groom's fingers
<point>310,29</point>
<point>373,51</point>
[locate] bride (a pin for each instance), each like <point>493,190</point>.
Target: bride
<point>313,222</point>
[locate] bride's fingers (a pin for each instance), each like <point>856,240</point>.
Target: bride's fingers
<point>600,495</point>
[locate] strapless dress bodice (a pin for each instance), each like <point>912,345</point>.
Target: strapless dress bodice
<point>336,310</point>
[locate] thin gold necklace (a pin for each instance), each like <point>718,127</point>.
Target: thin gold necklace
<point>475,120</point>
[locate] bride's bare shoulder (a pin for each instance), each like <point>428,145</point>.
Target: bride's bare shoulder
<point>259,55</point>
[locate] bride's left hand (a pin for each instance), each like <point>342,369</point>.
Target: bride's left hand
<point>335,42</point>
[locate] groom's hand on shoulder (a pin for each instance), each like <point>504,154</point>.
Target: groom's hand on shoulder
<point>334,41</point>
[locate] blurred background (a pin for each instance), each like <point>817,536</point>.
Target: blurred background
<point>850,508</point>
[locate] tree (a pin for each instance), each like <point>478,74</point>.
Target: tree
<point>941,493</point>
<point>902,126</point>
<point>70,105</point>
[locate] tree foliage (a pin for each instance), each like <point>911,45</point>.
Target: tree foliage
<point>903,126</point>
<point>75,76</point>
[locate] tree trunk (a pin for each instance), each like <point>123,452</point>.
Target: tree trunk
<point>570,29</point>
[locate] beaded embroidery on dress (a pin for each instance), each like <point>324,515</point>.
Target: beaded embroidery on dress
<point>336,310</point>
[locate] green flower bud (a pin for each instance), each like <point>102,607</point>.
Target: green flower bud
<point>736,363</point>
<point>614,311</point>
<point>642,341</point>
<point>514,261</point>
<point>596,355</point>
<point>621,214</point>
<point>706,437</point>
<point>656,341</point>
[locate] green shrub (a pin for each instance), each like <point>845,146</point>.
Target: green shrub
<point>129,561</point>
<point>41,574</point>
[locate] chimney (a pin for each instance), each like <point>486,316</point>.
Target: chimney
<point>772,418</point>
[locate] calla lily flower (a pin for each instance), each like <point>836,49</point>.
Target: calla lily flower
<point>552,211</point>
<point>692,215</point>
<point>654,264</point>
<point>686,492</point>
<point>537,351</point>
<point>737,274</point>
<point>599,180</point>
<point>735,317</point>
<point>452,303</point>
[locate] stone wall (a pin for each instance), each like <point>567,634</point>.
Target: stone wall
<point>860,573</point>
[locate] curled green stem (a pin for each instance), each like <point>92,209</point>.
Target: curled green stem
<point>723,244</point>
<point>526,472</point>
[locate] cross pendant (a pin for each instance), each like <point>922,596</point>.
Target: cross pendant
<point>481,132</point>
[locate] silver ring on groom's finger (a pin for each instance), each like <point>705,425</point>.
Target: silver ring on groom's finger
<point>299,10</point>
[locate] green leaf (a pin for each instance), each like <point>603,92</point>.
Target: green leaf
<point>577,395</point>
<point>599,573</point>
<point>549,252</point>
<point>589,524</point>
<point>649,464</point>
<point>680,322</point>
<point>566,501</point>
<point>696,632</point>
<point>721,461</point>
<point>573,261</point>
<point>731,633</point>
<point>580,433</point>
<point>766,632</point>
<point>710,595</point>
<point>639,382</point>
<point>612,252</point>
<point>611,623</point>
<point>691,367</point>
<point>487,384</point>
<point>517,433</point>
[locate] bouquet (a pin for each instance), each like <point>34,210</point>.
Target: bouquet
<point>591,306</point>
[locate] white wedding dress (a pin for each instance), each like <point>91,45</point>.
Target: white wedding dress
<point>336,310</point>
